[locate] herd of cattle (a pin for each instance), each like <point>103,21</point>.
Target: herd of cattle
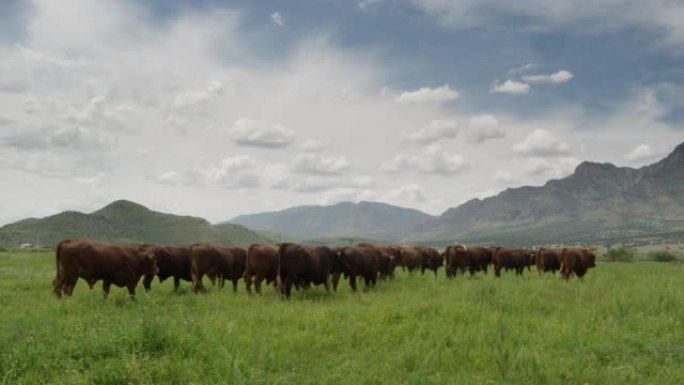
<point>289,264</point>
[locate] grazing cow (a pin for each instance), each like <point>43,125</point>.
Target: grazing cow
<point>216,262</point>
<point>388,259</point>
<point>121,265</point>
<point>432,259</point>
<point>262,264</point>
<point>576,260</point>
<point>302,266</point>
<point>548,259</point>
<point>172,261</point>
<point>462,257</point>
<point>409,257</point>
<point>511,258</point>
<point>355,262</point>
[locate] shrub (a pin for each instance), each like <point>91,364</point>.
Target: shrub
<point>620,254</point>
<point>662,256</point>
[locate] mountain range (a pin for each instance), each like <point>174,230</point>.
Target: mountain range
<point>598,203</point>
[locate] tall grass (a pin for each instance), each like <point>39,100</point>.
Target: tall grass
<point>624,324</point>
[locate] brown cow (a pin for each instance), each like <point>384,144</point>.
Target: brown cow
<point>172,261</point>
<point>576,260</point>
<point>121,265</point>
<point>548,259</point>
<point>357,261</point>
<point>432,259</point>
<point>473,258</point>
<point>511,258</point>
<point>409,257</point>
<point>302,266</point>
<point>216,262</point>
<point>388,259</point>
<point>262,263</point>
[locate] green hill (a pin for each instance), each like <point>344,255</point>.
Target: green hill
<point>125,221</point>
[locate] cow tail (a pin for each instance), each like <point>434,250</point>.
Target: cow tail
<point>58,251</point>
<point>279,281</point>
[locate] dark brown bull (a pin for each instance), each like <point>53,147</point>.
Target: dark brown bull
<point>215,262</point>
<point>173,262</point>
<point>262,264</point>
<point>473,258</point>
<point>357,262</point>
<point>511,258</point>
<point>388,259</point>
<point>576,260</point>
<point>432,259</point>
<point>409,257</point>
<point>121,265</point>
<point>302,266</point>
<point>548,259</point>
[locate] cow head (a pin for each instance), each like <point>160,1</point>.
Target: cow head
<point>149,260</point>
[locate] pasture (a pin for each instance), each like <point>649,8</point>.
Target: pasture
<point>624,324</point>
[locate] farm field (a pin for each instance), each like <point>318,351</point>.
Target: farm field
<point>624,324</point>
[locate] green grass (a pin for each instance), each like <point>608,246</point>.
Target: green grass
<point>624,324</point>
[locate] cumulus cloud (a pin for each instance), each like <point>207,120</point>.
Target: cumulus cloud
<point>427,95</point>
<point>553,168</point>
<point>640,153</point>
<point>250,132</point>
<point>436,130</point>
<point>502,176</point>
<point>555,78</point>
<point>317,164</point>
<point>92,181</point>
<point>277,19</point>
<point>541,143</point>
<point>484,127</point>
<point>435,160</point>
<point>235,171</point>
<point>511,87</point>
<point>313,145</point>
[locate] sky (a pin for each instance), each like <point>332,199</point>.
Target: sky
<point>221,108</point>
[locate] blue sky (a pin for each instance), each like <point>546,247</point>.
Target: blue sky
<point>215,108</point>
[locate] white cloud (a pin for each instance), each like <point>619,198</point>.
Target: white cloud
<point>250,132</point>
<point>640,153</point>
<point>502,176</point>
<point>427,95</point>
<point>438,129</point>
<point>435,160</point>
<point>313,145</point>
<point>511,87</point>
<point>484,127</point>
<point>317,164</point>
<point>555,78</point>
<point>93,181</point>
<point>551,168</point>
<point>541,143</point>
<point>658,19</point>
<point>277,19</point>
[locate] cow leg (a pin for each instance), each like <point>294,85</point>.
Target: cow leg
<point>257,283</point>
<point>68,285</point>
<point>131,289</point>
<point>235,283</point>
<point>57,286</point>
<point>497,271</point>
<point>147,282</point>
<point>326,284</point>
<point>106,285</point>
<point>288,288</point>
<point>248,282</point>
<point>335,280</point>
<point>352,282</point>
<point>176,283</point>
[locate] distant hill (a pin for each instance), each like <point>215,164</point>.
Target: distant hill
<point>367,220</point>
<point>598,202</point>
<point>125,221</point>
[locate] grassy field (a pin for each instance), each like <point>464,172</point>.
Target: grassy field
<point>623,325</point>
